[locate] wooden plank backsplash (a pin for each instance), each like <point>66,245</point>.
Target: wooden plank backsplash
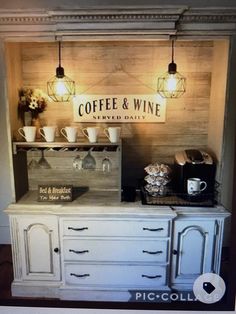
<point>130,68</point>
<point>62,171</point>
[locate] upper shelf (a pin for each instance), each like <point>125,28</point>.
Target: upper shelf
<point>63,144</point>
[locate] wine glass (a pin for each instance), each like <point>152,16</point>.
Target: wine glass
<point>77,163</point>
<point>89,162</point>
<point>33,164</point>
<point>106,165</point>
<point>43,163</point>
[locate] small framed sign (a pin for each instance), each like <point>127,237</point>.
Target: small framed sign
<point>55,193</point>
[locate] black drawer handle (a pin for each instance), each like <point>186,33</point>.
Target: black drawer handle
<point>79,252</point>
<point>78,229</point>
<point>153,252</point>
<point>79,276</point>
<point>151,277</point>
<point>157,229</point>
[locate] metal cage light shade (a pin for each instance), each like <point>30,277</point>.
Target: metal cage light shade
<point>60,88</point>
<point>171,84</point>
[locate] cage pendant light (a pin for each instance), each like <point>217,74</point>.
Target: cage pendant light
<point>60,87</point>
<point>171,84</point>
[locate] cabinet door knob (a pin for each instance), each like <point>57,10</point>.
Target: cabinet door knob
<point>56,250</point>
<point>175,252</point>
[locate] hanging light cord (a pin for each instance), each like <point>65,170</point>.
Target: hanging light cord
<point>59,70</point>
<point>59,53</point>
<point>172,49</point>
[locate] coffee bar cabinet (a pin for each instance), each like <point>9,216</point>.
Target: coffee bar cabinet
<point>97,247</point>
<point>101,252</point>
<point>90,253</point>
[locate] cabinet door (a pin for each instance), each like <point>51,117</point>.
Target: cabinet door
<point>39,247</point>
<point>193,250</point>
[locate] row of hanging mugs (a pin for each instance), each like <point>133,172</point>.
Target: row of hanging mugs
<point>70,133</point>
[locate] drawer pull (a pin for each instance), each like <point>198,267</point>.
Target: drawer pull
<point>79,252</point>
<point>153,252</point>
<point>79,276</point>
<point>156,229</point>
<point>78,229</point>
<point>151,277</point>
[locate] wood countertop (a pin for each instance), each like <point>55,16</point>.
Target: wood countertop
<point>90,202</point>
<point>106,203</point>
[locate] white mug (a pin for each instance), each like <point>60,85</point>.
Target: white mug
<point>91,133</point>
<point>48,133</point>
<point>70,133</point>
<point>194,186</point>
<point>29,133</point>
<point>113,133</point>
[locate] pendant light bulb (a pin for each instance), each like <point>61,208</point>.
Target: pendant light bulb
<point>171,84</point>
<point>60,88</point>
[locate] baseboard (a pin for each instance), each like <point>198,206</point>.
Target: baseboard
<point>29,289</point>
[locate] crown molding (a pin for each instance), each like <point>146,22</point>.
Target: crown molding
<point>144,21</point>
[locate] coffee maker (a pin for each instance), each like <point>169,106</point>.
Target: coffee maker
<point>192,163</point>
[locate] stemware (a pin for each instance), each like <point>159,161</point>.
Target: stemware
<point>33,164</point>
<point>77,163</point>
<point>43,163</point>
<point>89,162</point>
<point>106,165</point>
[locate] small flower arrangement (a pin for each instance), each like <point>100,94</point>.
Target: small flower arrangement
<point>31,100</point>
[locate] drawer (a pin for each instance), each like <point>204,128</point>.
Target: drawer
<point>115,275</point>
<point>116,250</point>
<point>120,228</point>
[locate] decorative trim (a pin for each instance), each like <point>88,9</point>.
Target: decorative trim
<point>181,238</point>
<point>16,252</point>
<point>112,15</point>
<point>137,20</point>
<point>27,235</point>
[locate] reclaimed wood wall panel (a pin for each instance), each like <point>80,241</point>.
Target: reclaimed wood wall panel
<point>131,68</point>
<point>62,170</point>
<point>14,78</point>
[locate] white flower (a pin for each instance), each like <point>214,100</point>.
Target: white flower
<point>33,103</point>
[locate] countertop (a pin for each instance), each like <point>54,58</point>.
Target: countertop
<point>106,203</point>
<point>90,202</point>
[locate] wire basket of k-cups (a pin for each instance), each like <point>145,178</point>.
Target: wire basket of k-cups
<point>157,179</point>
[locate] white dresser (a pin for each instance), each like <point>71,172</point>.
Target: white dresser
<point>111,253</point>
<point>77,251</point>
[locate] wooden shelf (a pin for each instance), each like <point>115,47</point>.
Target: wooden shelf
<point>61,144</point>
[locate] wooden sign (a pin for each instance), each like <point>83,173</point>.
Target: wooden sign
<point>55,193</point>
<point>119,108</point>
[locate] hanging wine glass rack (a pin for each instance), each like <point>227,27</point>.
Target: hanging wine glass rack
<point>63,146</point>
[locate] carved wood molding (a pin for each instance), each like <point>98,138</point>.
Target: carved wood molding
<point>160,20</point>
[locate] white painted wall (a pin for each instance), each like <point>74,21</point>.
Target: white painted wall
<point>6,194</point>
